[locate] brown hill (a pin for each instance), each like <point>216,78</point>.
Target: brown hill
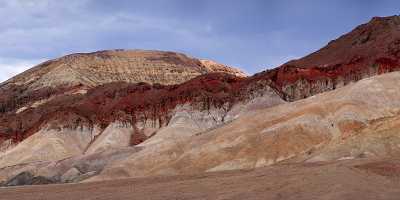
<point>76,73</point>
<point>87,101</point>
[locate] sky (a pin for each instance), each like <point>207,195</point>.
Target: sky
<point>253,35</point>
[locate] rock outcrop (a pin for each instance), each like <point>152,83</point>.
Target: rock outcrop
<point>213,66</point>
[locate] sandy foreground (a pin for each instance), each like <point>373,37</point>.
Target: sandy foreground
<point>351,179</point>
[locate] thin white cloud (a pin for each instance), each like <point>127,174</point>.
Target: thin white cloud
<point>12,67</point>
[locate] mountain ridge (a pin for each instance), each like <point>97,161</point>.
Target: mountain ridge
<point>370,49</point>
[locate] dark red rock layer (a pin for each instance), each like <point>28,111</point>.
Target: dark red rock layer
<point>127,102</point>
<point>297,83</point>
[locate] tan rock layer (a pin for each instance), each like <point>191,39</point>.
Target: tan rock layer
<point>133,66</point>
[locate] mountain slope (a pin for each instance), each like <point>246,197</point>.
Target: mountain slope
<point>112,121</point>
<point>370,49</point>
<point>357,121</point>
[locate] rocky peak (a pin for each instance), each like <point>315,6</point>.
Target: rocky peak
<point>370,40</point>
<point>370,49</point>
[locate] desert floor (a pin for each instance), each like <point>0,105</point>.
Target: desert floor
<point>348,179</point>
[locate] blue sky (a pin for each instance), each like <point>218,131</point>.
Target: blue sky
<point>253,34</point>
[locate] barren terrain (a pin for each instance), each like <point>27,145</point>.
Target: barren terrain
<point>348,179</point>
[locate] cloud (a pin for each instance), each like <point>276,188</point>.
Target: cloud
<point>12,67</point>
